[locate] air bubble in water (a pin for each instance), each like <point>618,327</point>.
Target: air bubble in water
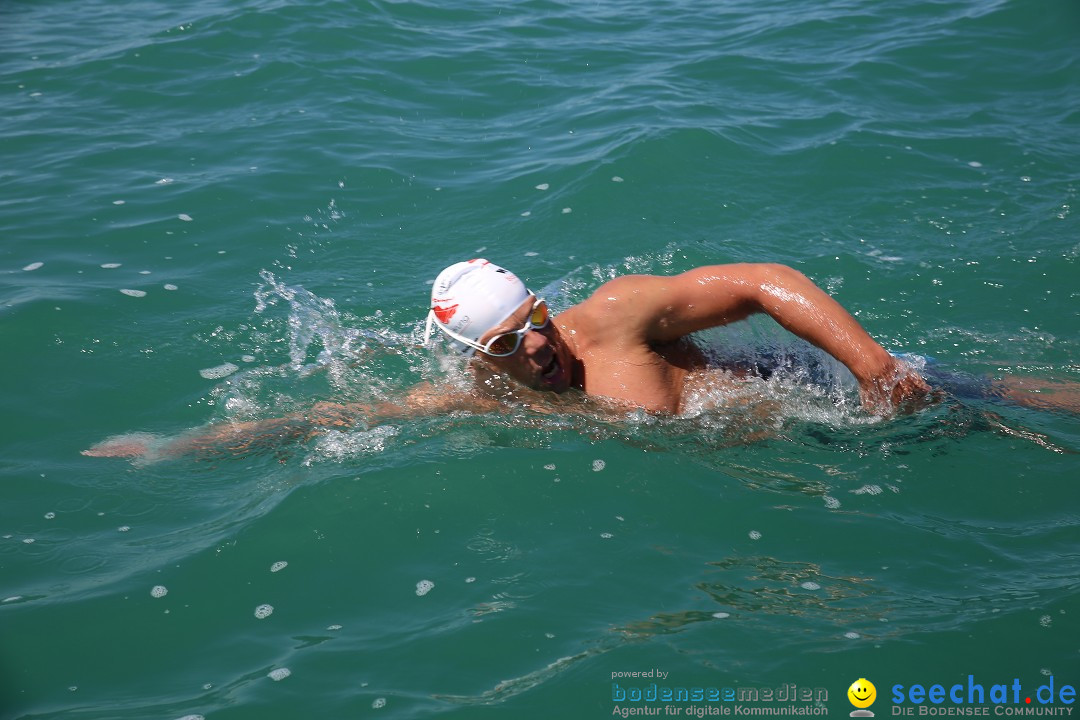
<point>598,465</point>
<point>264,611</point>
<point>278,566</point>
<point>424,587</point>
<point>133,293</point>
<point>810,585</point>
<point>754,535</point>
<point>159,591</point>
<point>185,217</point>
<point>279,674</point>
<point>378,703</point>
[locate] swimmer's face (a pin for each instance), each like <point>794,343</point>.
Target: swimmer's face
<point>862,693</point>
<point>541,362</point>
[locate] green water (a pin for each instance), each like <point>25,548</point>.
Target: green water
<point>275,184</point>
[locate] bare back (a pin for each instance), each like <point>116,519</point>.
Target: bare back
<point>618,363</point>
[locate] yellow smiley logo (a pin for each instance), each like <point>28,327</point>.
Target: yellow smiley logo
<point>862,693</point>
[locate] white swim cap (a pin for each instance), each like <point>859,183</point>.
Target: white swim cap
<point>469,298</point>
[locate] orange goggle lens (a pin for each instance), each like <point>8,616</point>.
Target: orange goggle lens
<point>508,343</point>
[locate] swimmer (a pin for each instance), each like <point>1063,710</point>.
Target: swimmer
<point>628,345</point>
<point>629,341</point>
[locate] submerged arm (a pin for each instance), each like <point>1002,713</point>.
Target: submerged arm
<point>241,438</point>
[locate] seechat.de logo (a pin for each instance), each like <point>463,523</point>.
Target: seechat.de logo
<point>862,695</point>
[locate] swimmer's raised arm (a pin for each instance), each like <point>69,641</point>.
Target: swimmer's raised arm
<point>668,308</point>
<point>241,438</point>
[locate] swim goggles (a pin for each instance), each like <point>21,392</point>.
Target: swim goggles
<point>507,343</point>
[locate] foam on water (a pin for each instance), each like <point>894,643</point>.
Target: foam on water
<point>279,674</point>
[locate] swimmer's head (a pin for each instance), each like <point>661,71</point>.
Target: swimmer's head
<point>469,298</point>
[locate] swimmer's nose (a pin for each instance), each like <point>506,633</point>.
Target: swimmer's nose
<point>534,342</point>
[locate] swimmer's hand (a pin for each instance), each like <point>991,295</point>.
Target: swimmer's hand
<point>895,387</point>
<point>130,445</point>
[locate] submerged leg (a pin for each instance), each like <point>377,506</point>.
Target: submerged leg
<point>1040,394</point>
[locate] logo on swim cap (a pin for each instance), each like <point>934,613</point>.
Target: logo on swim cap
<point>444,312</point>
<point>469,298</point>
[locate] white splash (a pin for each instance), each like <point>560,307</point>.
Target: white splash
<point>218,371</point>
<point>424,587</point>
